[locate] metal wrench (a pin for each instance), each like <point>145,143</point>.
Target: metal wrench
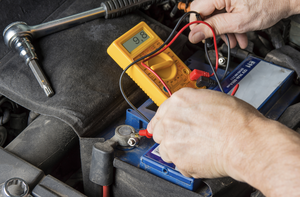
<point>18,34</point>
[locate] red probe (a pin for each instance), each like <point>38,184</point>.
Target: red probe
<point>145,133</point>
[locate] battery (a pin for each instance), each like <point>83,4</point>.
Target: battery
<point>153,163</point>
<point>261,83</point>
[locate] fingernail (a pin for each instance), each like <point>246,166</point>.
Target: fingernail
<point>198,37</point>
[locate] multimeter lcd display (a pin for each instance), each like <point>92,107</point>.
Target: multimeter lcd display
<point>135,41</point>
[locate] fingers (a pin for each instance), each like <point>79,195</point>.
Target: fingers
<point>232,40</point>
<point>221,24</point>
<point>184,173</point>
<point>163,153</point>
<point>206,8</point>
<point>155,126</point>
<point>236,38</point>
<point>242,40</point>
<point>165,156</point>
<point>192,19</point>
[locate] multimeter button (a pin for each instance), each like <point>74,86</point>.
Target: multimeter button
<point>164,88</point>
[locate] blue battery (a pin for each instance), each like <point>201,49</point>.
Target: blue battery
<point>153,163</point>
<point>261,83</point>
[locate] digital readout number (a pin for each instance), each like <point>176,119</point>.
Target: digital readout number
<point>135,41</point>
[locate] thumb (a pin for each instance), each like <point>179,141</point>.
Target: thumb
<point>221,24</point>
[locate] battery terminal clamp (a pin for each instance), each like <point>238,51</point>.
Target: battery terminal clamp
<point>101,170</point>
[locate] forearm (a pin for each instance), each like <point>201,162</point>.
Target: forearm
<point>270,161</point>
<point>295,7</point>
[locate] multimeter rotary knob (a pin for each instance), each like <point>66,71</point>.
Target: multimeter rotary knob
<point>163,65</point>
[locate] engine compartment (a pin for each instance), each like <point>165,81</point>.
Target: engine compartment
<point>48,142</point>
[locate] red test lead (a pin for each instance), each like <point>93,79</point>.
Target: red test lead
<point>196,74</point>
<point>145,133</point>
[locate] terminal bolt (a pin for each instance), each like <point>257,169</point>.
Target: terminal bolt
<point>133,141</point>
<point>222,61</point>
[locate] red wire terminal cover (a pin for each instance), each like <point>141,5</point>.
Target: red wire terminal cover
<point>145,133</point>
<point>196,74</point>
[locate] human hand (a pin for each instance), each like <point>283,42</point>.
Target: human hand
<point>198,130</point>
<point>208,134</point>
<point>241,16</point>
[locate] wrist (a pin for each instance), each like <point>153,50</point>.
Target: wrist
<point>269,159</point>
<point>294,7</point>
<point>249,150</point>
<point>280,176</point>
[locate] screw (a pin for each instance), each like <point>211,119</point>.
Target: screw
<point>133,141</point>
<point>222,61</point>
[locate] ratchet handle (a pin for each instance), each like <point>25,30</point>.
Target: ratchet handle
<point>116,8</point>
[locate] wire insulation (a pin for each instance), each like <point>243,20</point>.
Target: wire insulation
<point>105,191</point>
<point>228,57</point>
<point>212,67</point>
<point>236,87</point>
<point>171,42</point>
<point>157,76</point>
<point>186,26</point>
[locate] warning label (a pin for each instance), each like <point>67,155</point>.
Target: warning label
<point>156,151</point>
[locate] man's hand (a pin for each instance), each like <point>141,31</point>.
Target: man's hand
<point>209,134</point>
<point>199,129</point>
<point>241,16</point>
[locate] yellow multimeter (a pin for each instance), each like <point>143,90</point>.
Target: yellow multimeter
<point>140,41</point>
